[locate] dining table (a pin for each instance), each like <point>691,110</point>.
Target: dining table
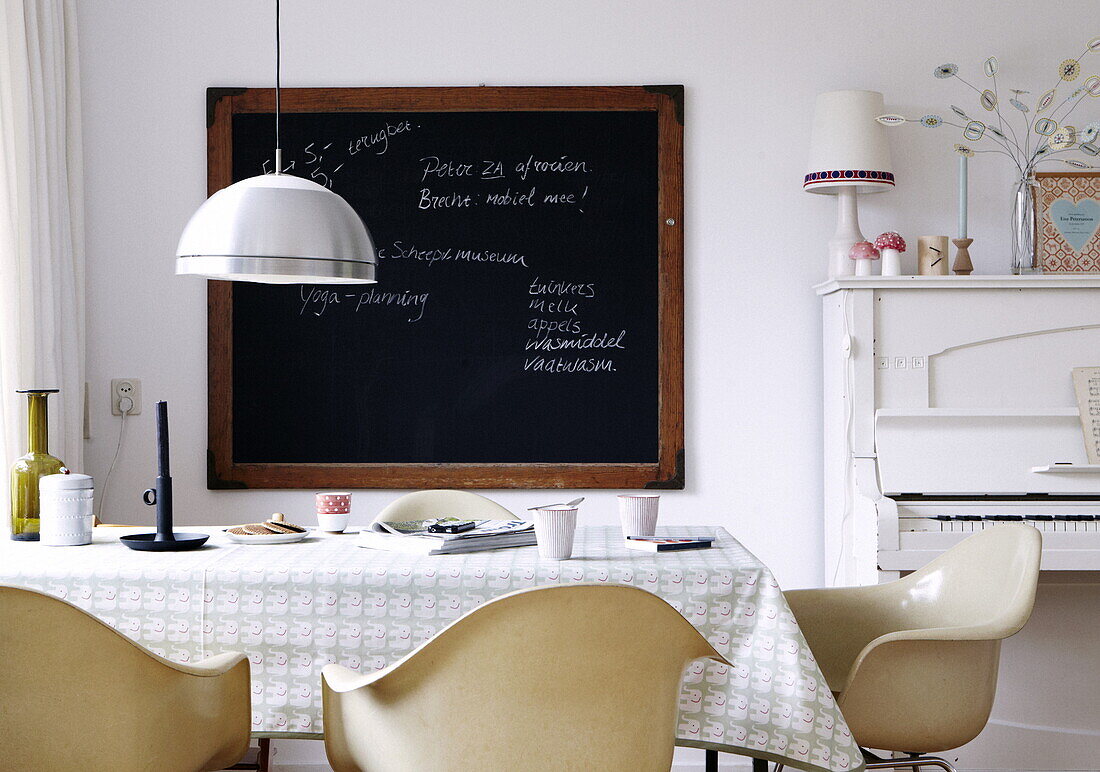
<point>294,608</point>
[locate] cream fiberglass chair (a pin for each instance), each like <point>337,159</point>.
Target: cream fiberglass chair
<point>914,662</point>
<point>439,503</point>
<point>550,678</point>
<point>77,695</point>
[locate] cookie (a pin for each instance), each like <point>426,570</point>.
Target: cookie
<point>284,527</point>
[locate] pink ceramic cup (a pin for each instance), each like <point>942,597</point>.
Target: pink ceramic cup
<point>333,510</point>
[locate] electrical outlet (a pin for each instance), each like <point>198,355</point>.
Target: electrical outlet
<point>884,363</point>
<point>125,389</point>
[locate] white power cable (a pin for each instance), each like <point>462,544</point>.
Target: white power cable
<point>848,415</point>
<point>125,405</point>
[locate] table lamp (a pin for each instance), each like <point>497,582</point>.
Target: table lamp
<point>849,155</point>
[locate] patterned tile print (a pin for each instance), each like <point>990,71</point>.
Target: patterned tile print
<point>1057,255</point>
<point>295,608</point>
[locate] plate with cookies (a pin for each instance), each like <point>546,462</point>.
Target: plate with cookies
<point>274,530</point>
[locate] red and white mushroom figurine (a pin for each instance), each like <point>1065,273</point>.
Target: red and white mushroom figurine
<point>892,245</point>
<point>864,253</point>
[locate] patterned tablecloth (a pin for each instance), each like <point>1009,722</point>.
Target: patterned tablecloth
<point>296,608</point>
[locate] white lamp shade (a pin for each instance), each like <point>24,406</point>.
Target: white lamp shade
<point>848,147</point>
<point>277,229</point>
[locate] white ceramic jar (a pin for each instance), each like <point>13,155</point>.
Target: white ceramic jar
<point>65,509</point>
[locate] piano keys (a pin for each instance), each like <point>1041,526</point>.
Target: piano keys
<point>1045,523</point>
<point>925,527</point>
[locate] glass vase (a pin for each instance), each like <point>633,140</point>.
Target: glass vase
<point>1024,254</point>
<point>32,466</point>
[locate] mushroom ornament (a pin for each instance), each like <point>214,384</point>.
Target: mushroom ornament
<point>892,245</point>
<point>864,253</point>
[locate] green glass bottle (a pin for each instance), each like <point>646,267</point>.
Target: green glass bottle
<point>35,464</point>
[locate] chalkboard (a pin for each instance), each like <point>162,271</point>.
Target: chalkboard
<point>526,327</point>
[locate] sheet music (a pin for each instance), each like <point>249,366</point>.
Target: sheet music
<point>1086,382</point>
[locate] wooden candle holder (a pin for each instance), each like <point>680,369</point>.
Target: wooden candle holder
<point>962,266</point>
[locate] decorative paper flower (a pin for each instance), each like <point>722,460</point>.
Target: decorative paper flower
<point>891,119</point>
<point>974,131</point>
<point>1064,138</point>
<point>1042,116</point>
<point>1046,127</point>
<point>1069,69</point>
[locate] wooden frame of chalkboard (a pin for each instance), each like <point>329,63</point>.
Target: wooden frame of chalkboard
<point>665,471</point>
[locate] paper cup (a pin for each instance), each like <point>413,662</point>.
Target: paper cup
<point>638,514</point>
<point>554,528</point>
<point>333,510</point>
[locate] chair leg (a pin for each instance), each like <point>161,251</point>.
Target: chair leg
<point>913,762</point>
<point>759,765</point>
<point>263,759</point>
<point>711,760</point>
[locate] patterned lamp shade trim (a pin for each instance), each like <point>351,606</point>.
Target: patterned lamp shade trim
<point>855,176</point>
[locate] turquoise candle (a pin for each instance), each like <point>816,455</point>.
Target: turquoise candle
<point>962,196</point>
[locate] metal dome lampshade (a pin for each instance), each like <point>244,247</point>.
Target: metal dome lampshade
<point>277,228</point>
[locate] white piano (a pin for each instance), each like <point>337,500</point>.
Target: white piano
<point>949,407</point>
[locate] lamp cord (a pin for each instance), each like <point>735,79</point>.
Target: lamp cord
<point>111,468</point>
<point>278,85</point>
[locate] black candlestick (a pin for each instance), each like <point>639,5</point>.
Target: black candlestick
<point>164,540</point>
<point>162,494</point>
<point>162,440</point>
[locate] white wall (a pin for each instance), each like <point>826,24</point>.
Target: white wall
<point>755,241</point>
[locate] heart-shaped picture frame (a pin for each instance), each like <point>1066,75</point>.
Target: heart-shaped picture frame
<point>1077,223</point>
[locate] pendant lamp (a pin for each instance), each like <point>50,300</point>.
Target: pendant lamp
<point>277,228</point>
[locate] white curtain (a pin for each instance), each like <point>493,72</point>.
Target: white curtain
<point>41,228</point>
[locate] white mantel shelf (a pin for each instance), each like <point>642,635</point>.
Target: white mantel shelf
<point>1047,281</point>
